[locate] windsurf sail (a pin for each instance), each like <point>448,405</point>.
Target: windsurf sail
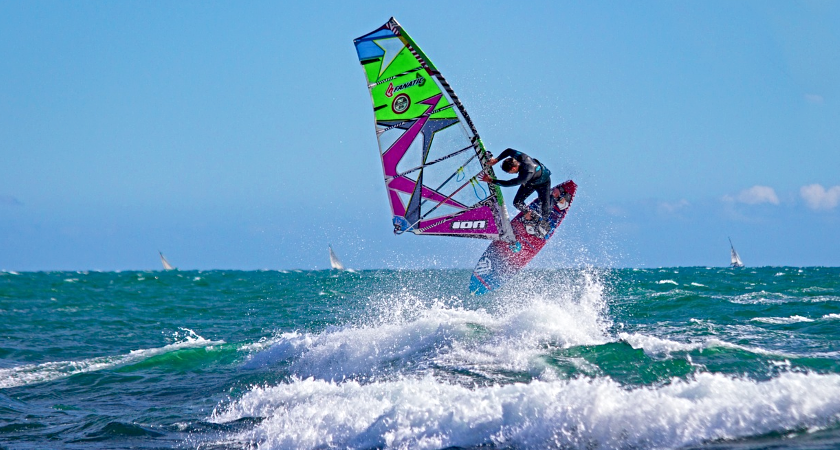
<point>334,262</point>
<point>166,265</point>
<point>432,156</point>
<point>736,259</point>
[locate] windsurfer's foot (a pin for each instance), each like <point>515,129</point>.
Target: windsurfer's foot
<point>530,218</point>
<point>560,199</point>
<point>543,228</point>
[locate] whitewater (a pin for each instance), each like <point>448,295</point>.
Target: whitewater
<point>574,358</point>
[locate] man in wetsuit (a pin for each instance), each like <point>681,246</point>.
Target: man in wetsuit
<point>531,176</point>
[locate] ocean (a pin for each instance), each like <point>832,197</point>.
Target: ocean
<point>584,358</point>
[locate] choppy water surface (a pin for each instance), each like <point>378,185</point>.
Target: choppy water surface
<point>659,358</point>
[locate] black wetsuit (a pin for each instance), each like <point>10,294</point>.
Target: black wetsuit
<point>532,176</point>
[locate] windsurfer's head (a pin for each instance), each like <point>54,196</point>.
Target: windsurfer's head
<point>510,165</point>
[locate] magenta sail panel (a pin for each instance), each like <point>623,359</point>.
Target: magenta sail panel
<point>476,222</point>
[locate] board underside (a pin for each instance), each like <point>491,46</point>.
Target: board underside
<point>501,261</point>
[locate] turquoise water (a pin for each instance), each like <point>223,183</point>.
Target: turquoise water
<point>584,358</point>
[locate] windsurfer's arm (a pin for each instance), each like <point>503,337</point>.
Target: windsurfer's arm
<point>521,178</point>
<point>508,153</point>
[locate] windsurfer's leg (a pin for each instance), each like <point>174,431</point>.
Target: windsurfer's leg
<point>544,194</point>
<point>522,194</point>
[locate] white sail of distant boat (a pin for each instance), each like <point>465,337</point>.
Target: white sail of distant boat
<point>166,265</point>
<point>334,262</point>
<point>736,260</point>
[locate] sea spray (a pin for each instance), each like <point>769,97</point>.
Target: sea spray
<point>407,333</point>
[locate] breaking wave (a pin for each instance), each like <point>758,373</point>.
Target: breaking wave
<point>425,413</point>
<point>39,373</point>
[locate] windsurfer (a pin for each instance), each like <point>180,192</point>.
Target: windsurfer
<point>531,176</point>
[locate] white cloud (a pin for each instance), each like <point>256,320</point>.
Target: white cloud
<point>817,197</point>
<point>814,98</point>
<point>757,195</point>
<point>672,206</point>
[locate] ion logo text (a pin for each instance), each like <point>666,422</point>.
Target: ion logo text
<point>469,225</point>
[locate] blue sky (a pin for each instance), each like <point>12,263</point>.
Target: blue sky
<point>240,136</point>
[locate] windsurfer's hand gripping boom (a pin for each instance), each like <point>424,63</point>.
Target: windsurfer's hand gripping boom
<point>484,175</point>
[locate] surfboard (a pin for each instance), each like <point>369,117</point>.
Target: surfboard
<point>502,260</point>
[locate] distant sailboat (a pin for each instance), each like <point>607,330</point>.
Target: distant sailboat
<point>166,265</point>
<point>736,260</point>
<point>334,262</point>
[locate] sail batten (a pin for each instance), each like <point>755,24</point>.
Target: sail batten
<point>426,140</point>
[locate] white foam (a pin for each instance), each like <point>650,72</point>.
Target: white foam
<point>654,346</point>
<point>817,289</point>
<point>409,334</point>
<point>442,336</point>
<point>773,298</point>
<point>260,345</point>
<point>831,316</point>
<point>698,284</point>
<point>339,352</point>
<point>666,282</point>
<point>425,413</point>
<point>823,298</point>
<point>49,371</point>
<point>782,320</point>
<point>762,297</point>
